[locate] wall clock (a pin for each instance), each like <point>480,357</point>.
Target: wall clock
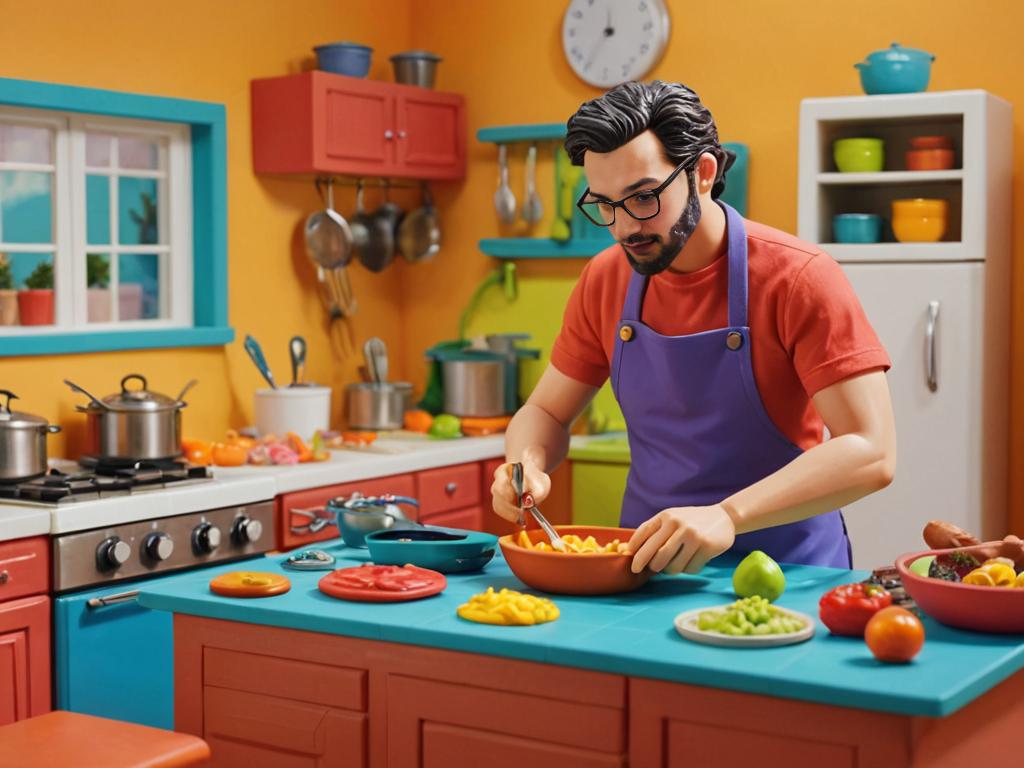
<point>608,42</point>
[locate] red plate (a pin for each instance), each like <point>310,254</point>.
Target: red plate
<point>382,583</point>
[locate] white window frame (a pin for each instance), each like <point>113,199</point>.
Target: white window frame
<point>68,209</point>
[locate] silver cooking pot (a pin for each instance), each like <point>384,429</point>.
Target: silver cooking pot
<point>133,424</point>
<point>22,442</point>
<point>358,515</point>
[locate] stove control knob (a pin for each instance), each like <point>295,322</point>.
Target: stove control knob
<point>113,553</point>
<point>205,538</point>
<point>246,530</point>
<point>159,546</point>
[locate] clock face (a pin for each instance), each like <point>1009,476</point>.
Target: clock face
<point>608,42</point>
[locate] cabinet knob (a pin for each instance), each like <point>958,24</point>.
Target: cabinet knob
<point>4,577</point>
<point>451,488</point>
<point>402,134</point>
<point>389,134</point>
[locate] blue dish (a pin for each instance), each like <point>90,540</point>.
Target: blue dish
<point>448,550</point>
<point>350,59</point>
<point>857,228</point>
<point>895,70</point>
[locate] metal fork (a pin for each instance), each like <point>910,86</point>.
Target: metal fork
<point>525,501</point>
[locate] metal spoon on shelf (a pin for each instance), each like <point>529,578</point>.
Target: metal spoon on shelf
<point>533,209</point>
<point>256,353</point>
<point>525,501</point>
<point>504,199</point>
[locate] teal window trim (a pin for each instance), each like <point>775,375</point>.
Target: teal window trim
<point>208,125</point>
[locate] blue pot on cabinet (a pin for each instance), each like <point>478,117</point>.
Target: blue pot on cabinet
<point>344,58</point>
<point>895,70</point>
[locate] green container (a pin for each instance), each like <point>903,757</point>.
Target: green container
<point>859,155</point>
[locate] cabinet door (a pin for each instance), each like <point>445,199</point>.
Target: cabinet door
<point>471,519</point>
<point>431,134</point>
<point>24,658</point>
<point>293,527</point>
<point>354,132</point>
<point>939,469</point>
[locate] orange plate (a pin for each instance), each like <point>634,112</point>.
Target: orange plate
<point>572,574</point>
<point>250,584</point>
<point>382,583</point>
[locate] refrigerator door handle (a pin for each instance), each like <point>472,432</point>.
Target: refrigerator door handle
<point>120,597</point>
<point>931,368</point>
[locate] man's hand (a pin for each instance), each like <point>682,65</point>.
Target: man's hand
<point>682,539</point>
<point>536,482</point>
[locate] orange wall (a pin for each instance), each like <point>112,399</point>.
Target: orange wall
<point>752,62</point>
<point>210,51</point>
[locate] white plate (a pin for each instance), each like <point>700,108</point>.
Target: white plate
<point>686,625</point>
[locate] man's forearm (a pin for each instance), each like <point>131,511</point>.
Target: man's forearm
<point>828,476</point>
<point>535,436</point>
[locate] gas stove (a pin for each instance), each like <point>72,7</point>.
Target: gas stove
<point>67,482</point>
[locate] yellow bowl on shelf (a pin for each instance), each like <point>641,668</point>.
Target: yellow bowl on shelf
<point>919,219</point>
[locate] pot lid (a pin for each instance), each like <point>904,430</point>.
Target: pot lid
<point>16,419</point>
<point>140,399</point>
<point>896,52</point>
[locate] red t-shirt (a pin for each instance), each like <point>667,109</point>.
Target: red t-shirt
<point>807,328</point>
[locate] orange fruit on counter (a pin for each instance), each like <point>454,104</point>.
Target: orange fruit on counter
<point>894,634</point>
<point>417,421</point>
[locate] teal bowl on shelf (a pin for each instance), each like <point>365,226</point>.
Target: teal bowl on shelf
<point>859,155</point>
<point>857,228</point>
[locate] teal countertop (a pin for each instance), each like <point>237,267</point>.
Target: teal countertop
<point>632,634</point>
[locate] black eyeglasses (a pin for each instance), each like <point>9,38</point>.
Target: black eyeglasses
<point>642,205</point>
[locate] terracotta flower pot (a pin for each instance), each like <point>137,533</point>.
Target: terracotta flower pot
<point>98,305</point>
<point>8,307</point>
<point>36,306</point>
<point>129,301</point>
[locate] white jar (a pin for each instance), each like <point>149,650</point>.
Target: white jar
<point>302,410</point>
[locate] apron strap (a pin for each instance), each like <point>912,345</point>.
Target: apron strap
<point>634,297</point>
<point>737,266</point>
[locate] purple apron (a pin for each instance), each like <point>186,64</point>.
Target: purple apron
<point>698,431</point>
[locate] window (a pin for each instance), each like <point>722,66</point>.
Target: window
<point>94,223</point>
<point>113,220</point>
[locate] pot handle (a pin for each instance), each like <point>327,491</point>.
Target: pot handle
<point>319,519</point>
<point>10,396</point>
<point>53,428</point>
<point>186,388</point>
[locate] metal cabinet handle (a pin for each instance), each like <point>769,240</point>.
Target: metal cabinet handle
<point>402,134</point>
<point>389,134</point>
<point>451,488</point>
<point>4,577</point>
<point>931,366</point>
<point>120,597</point>
<point>318,519</point>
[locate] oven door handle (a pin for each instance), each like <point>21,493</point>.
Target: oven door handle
<point>120,597</point>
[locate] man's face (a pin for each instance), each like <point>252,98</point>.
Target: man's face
<point>639,165</point>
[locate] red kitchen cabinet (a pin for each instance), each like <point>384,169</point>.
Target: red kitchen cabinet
<point>322,123</point>
<point>24,658</point>
<point>24,567</point>
<point>295,511</point>
<point>448,488</point>
<point>471,519</point>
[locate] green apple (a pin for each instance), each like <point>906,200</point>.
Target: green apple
<point>921,565</point>
<point>758,574</point>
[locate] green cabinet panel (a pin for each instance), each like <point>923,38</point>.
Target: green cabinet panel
<point>597,490</point>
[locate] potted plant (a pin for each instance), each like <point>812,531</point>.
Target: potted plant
<point>97,270</point>
<point>35,301</point>
<point>8,296</point>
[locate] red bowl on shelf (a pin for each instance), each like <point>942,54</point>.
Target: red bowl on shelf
<point>574,574</point>
<point>929,159</point>
<point>982,609</point>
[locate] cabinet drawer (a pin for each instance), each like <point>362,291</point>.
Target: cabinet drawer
<point>294,510</point>
<point>24,658</point>
<point>448,488</point>
<point>24,567</point>
<point>471,519</point>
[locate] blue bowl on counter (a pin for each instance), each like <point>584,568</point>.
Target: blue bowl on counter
<point>448,550</point>
<point>895,70</point>
<point>344,58</point>
<point>857,228</point>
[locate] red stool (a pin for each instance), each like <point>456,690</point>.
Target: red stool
<point>83,741</point>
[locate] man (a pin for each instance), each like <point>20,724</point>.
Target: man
<point>729,345</point>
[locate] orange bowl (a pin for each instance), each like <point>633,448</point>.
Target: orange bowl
<point>572,574</point>
<point>982,609</point>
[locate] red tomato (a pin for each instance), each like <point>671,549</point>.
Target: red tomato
<point>846,610</point>
<point>894,634</point>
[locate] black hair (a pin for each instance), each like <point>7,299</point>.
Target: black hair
<point>674,112</point>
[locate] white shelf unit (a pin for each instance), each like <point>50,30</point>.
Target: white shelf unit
<point>952,438</point>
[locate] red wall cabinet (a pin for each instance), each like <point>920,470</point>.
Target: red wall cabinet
<point>24,658</point>
<point>318,122</point>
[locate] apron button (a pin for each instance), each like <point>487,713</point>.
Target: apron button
<point>626,332</point>
<point>734,340</point>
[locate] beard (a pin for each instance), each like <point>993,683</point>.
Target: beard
<point>678,236</point>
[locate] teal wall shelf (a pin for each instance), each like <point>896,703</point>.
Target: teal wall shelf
<point>209,215</point>
<point>541,248</point>
<point>506,134</point>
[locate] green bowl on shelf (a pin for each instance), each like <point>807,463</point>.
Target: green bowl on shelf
<point>859,155</point>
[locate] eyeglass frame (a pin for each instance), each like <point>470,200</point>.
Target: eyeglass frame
<point>622,203</point>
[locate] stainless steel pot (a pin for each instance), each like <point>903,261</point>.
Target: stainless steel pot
<point>474,387</point>
<point>378,405</point>
<point>357,515</point>
<point>22,442</point>
<point>134,424</point>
